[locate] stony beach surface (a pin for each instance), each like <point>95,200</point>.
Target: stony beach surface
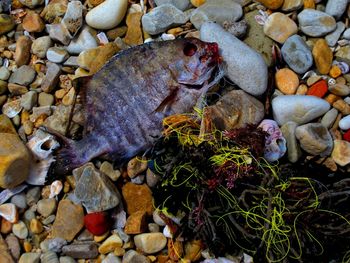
<point>103,213</point>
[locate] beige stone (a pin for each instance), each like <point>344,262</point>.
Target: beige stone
<point>35,226</point>
<point>110,244</point>
<point>150,243</point>
<point>32,22</point>
<point>136,166</point>
<point>323,56</point>
<point>342,106</point>
<point>134,33</point>
<point>341,152</point>
<point>279,27</point>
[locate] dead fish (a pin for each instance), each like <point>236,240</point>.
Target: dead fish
<point>126,101</point>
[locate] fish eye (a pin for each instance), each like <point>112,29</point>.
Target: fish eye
<point>190,49</point>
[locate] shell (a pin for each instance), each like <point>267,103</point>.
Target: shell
<point>9,212</point>
<point>42,144</point>
<point>275,144</point>
<point>49,257</point>
<point>55,188</point>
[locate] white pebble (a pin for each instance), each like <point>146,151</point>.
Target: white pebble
<point>344,123</point>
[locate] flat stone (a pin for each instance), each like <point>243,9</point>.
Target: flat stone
<point>297,54</point>
<point>24,75</point>
<point>315,139</point>
<point>292,5</point>
<point>51,77</point>
<point>41,45</point>
<point>32,22</point>
<point>332,38</point>
<point>56,55</point>
<point>30,258</point>
<point>6,23</point>
<point>279,27</point>
<point>110,244</point>
<point>315,23</point>
<point>73,18</point>
<point>22,53</point>
<point>29,99</point>
<point>162,18</point>
<point>46,207</point>
<point>323,56</point>
<point>245,67</point>
<point>180,4</point>
<point>336,8</point>
<point>88,179</point>
<point>339,89</point>
<point>69,221</point>
<point>341,152</point>
<point>217,11</point>
<point>150,243</point>
<point>137,198</point>
<point>20,230</point>
<point>136,223</point>
<point>58,32</point>
<point>298,108</point>
<point>84,41</point>
<point>81,250</point>
<point>329,118</point>
<point>5,73</point>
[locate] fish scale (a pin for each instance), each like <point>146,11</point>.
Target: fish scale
<point>126,101</point>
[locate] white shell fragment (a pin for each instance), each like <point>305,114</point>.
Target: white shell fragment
<point>42,144</point>
<point>55,188</point>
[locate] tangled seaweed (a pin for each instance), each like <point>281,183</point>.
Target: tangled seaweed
<point>235,201</point>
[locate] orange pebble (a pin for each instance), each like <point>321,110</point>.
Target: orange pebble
<point>309,4</point>
<point>331,98</point>
<point>319,89</point>
<point>335,71</point>
<point>287,81</point>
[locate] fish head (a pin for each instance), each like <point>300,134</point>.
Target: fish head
<point>198,60</point>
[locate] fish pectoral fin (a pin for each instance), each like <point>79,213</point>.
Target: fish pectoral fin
<point>168,101</point>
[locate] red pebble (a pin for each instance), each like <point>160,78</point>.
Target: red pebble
<point>346,136</point>
<point>97,223</point>
<point>319,89</point>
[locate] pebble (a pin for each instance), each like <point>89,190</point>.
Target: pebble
<point>31,3</point>
<point>346,34</point>
<point>22,53</point>
<point>45,99</point>
<point>110,244</point>
<point>339,89</point>
<point>137,198</point>
<point>56,55</point>
<point>54,9</point>
<point>319,89</point>
<point>9,212</point>
<point>81,250</point>
<point>88,178</point>
<point>151,178</point>
<point>24,75</point>
<point>73,18</point>
<point>336,8</point>
<point>132,256</point>
<point>16,89</point>
<point>33,196</point>
<point>336,72</point>
<point>107,169</point>
<point>46,207</point>
<point>4,73</point>
<point>107,15</point>
<point>333,37</point>
<point>323,56</point>
<point>292,5</point>
<point>29,100</point>
<point>14,246</point>
<point>315,139</point>
<point>162,18</point>
<point>298,108</point>
<point>3,87</point>
<point>12,108</point>
<point>51,77</point>
<point>97,223</point>
<point>59,32</point>
<point>344,123</point>
<point>150,243</point>
<point>286,81</point>
<point>329,118</point>
<point>59,120</point>
<point>41,45</point>
<point>179,4</point>
<point>297,54</point>
<point>136,223</point>
<point>271,4</point>
<point>217,11</point>
<point>134,34</point>
<point>342,106</point>
<point>20,230</point>
<point>341,152</point>
<point>84,41</point>
<point>343,54</point>
<point>245,67</point>
<point>6,23</point>
<point>238,29</point>
<point>316,23</point>
<point>20,201</point>
<point>32,22</point>
<point>136,166</point>
<point>29,258</point>
<point>67,259</point>
<point>293,149</point>
<point>280,27</point>
<point>35,226</point>
<point>15,164</point>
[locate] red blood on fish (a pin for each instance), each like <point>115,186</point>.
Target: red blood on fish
<point>126,101</point>
<point>97,223</point>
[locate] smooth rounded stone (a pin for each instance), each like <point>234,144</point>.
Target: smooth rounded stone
<point>48,220</point>
<point>151,178</point>
<point>32,22</point>
<point>339,89</point>
<point>107,15</point>
<point>107,169</point>
<point>57,55</point>
<point>81,250</point>
<point>6,23</point>
<point>41,45</point>
<point>343,54</point>
<point>153,228</point>
<point>28,215</point>
<point>298,108</point>
<point>286,81</point>
<point>344,123</point>
<point>45,99</point>
<point>163,17</point>
<point>132,256</point>
<point>346,34</point>
<point>329,118</point>
<point>19,200</point>
<point>279,27</point>
<point>24,75</point>
<point>245,67</point>
<point>16,89</point>
<point>150,243</point>
<point>14,246</point>
<point>3,86</point>
<point>58,32</point>
<point>22,53</point>
<point>292,5</point>
<point>341,152</point>
<point>29,258</point>
<point>336,8</point>
<point>271,4</point>
<point>334,36</point>
<point>69,220</point>
<point>29,99</point>
<point>73,18</point>
<point>4,73</point>
<point>315,23</point>
<point>111,258</point>
<point>20,230</point>
<point>47,206</point>
<point>217,11</point>
<point>33,195</point>
<point>84,41</point>
<point>110,244</point>
<point>67,259</point>
<point>49,257</point>
<point>315,139</point>
<point>180,4</point>
<point>238,29</point>
<point>31,3</point>
<point>51,77</point>
<point>12,108</point>
<point>297,54</point>
<point>53,244</point>
<point>323,56</point>
<point>293,149</point>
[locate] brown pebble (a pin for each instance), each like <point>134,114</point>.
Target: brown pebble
<point>32,22</point>
<point>342,106</point>
<point>136,223</point>
<point>287,81</point>
<point>134,34</point>
<point>68,99</point>
<point>331,98</point>
<point>341,80</point>
<point>323,56</point>
<point>119,251</point>
<point>27,246</point>
<point>309,4</point>
<point>302,89</point>
<point>35,226</point>
<point>28,127</point>
<point>6,226</point>
<point>7,54</point>
<point>22,54</point>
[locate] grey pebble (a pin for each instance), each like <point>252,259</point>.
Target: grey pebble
<point>84,41</point>
<point>333,37</point>
<point>49,257</point>
<point>51,77</point>
<point>20,201</point>
<point>14,246</point>
<point>81,250</point>
<point>29,258</point>
<point>4,73</point>
<point>29,100</point>
<point>29,215</point>
<point>48,220</point>
<point>346,34</point>
<point>67,259</point>
<point>315,23</point>
<point>41,45</point>
<point>57,55</point>
<point>47,206</point>
<point>329,118</point>
<point>336,8</point>
<point>180,4</point>
<point>33,195</point>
